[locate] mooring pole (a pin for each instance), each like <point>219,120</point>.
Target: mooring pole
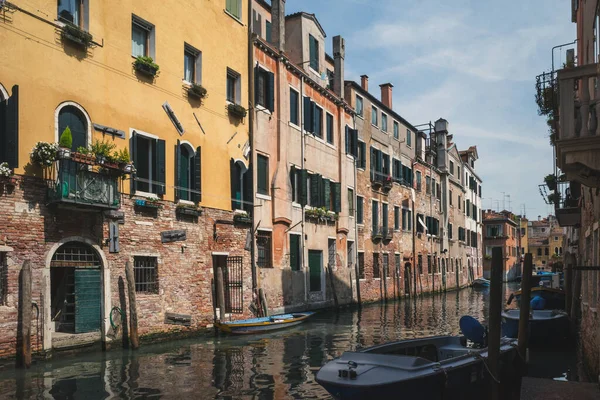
<point>495,320</point>
<point>332,285</point>
<point>220,293</point>
<point>568,287</point>
<point>524,321</point>
<point>24,339</point>
<point>133,320</point>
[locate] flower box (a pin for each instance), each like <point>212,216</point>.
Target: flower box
<point>147,204</point>
<point>197,91</point>
<point>76,35</point>
<point>237,111</point>
<point>146,66</point>
<point>81,158</point>
<point>63,153</point>
<point>195,212</point>
<point>242,219</point>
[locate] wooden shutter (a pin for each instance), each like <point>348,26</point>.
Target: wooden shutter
<point>337,197</point>
<point>363,161</point>
<point>134,157</point>
<point>315,186</point>
<point>256,85</point>
<point>11,131</point>
<point>293,183</point>
<point>303,187</point>
<point>294,256</point>
<point>313,113</point>
<point>232,184</point>
<point>347,139</point>
<point>177,169</point>
<point>271,91</point>
<point>113,233</point>
<point>160,165</point>
<point>198,176</point>
<point>373,162</point>
<point>354,141</point>
<point>248,193</point>
<point>326,198</point>
<point>307,109</point>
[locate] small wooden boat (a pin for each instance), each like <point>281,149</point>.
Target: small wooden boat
<point>264,324</point>
<point>545,326</point>
<point>481,283</point>
<point>429,368</point>
<point>547,286</point>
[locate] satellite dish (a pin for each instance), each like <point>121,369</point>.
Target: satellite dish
<point>472,329</point>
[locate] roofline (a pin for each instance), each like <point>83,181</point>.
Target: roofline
<point>307,15</point>
<point>380,104</point>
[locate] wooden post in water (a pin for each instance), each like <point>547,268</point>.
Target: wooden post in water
<point>357,276</point>
<point>526,279</point>
<point>220,293</point>
<point>133,321</point>
<point>332,285</point>
<point>495,319</point>
<point>568,287</point>
<point>24,338</point>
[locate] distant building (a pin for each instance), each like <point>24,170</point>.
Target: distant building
<point>500,230</point>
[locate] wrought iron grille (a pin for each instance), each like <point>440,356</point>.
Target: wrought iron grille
<point>234,285</point>
<point>263,243</point>
<point>3,278</point>
<point>145,271</point>
<point>75,255</point>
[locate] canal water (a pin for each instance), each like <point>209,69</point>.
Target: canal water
<point>273,366</point>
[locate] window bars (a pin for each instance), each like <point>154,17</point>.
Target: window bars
<point>145,271</point>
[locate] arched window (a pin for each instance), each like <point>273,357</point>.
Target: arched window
<point>556,250</point>
<point>547,251</point>
<point>560,250</point>
<point>539,251</point>
<point>241,186</point>
<point>72,117</point>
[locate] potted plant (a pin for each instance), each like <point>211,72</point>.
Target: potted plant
<point>554,198</point>
<point>104,153</point>
<point>550,181</point>
<point>124,160</point>
<point>387,182</point>
<point>242,218</point>
<point>83,155</point>
<point>75,34</point>
<point>44,154</point>
<point>188,209</point>
<point>64,144</point>
<point>198,91</point>
<point>146,65</point>
<point>237,110</point>
<point>6,175</point>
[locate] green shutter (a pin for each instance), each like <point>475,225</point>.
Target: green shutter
<point>134,157</point>
<point>347,139</point>
<point>160,166</point>
<point>271,91</point>
<point>315,121</point>
<point>308,120</point>
<point>177,169</point>
<point>256,85</point>
<point>263,175</point>
<point>198,175</point>
<point>326,198</point>
<point>303,187</point>
<point>234,185</point>
<point>315,186</point>
<point>314,266</point>
<point>88,299</point>
<point>9,140</point>
<point>354,142</point>
<point>294,253</point>
<point>337,197</point>
<point>363,161</point>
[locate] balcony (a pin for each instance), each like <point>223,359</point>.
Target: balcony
<point>578,136</point>
<point>377,233</point>
<point>381,180</point>
<point>387,233</point>
<point>81,185</point>
<point>566,203</point>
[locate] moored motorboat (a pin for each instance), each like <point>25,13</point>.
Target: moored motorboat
<point>429,368</point>
<point>481,283</point>
<point>554,297</point>
<point>264,324</point>
<point>545,326</point>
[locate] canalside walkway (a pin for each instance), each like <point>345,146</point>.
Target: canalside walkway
<point>548,389</point>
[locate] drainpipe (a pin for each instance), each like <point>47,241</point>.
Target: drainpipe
<point>251,137</point>
<point>414,237</point>
<point>302,145</point>
<point>358,297</point>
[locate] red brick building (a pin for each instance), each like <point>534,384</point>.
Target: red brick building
<point>501,230</point>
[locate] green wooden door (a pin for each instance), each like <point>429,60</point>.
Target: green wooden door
<point>88,298</point>
<point>314,266</point>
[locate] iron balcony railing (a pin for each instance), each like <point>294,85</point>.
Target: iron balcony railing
<point>566,203</point>
<point>80,184</point>
<point>377,232</point>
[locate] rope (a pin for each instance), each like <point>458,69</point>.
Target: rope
<point>479,357</point>
<point>111,317</point>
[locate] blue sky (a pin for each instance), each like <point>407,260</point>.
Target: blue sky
<point>471,62</point>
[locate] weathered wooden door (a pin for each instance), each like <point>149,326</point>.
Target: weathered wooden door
<point>88,299</point>
<point>314,266</point>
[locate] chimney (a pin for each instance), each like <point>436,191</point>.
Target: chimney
<point>364,82</point>
<point>278,24</point>
<point>386,94</point>
<point>339,52</point>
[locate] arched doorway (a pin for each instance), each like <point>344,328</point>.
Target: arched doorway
<point>76,289</point>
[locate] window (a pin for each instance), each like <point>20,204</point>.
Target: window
<point>314,52</point>
<point>375,216</point>
<point>330,79</point>
<point>142,38</point>
<point>359,209</point>
<point>556,250</point>
<point>449,230</point>
<point>556,238</point>
<point>234,93</point>
<point>450,196</point>
<point>493,230</point>
<point>461,234</point>
<point>376,272</point>
<point>331,251</point>
<point>359,106</point>
<point>73,118</point>
<point>329,124</point>
<point>472,163</point>
<point>192,65</point>
<point>3,278</point>
<point>459,202</point>
<point>396,218</point>
<point>384,216</point>
<point>427,185</point>
<point>479,190</point>
<point>433,187</point>
<point>383,122</point>
<point>295,176</point>
<point>396,130</point>
<point>350,202</point>
<point>406,219</point>
<point>539,251</point>
<point>145,272</point>
<point>185,178</point>
<point>149,161</point>
<point>468,208</point>
<point>294,107</point>
<point>418,173</point>
<point>420,223</point>
<point>408,138</point>
<point>234,7</point>
<point>361,265</point>
<point>241,186</point>
<point>268,36</point>
<point>374,115</point>
<point>262,172</point>
<point>474,212</point>
<point>351,253</point>
<point>429,264</point>
<point>265,89</point>
<point>71,11</point>
<point>295,252</point>
<point>318,122</point>
<point>451,167</point>
<point>546,251</point>
<point>438,191</point>
<point>420,263</point>
<point>263,245</point>
<point>386,265</point>
<point>361,161</point>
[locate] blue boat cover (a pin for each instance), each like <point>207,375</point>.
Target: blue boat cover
<point>537,303</point>
<point>472,329</point>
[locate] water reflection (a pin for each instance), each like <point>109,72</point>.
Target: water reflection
<point>273,366</point>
